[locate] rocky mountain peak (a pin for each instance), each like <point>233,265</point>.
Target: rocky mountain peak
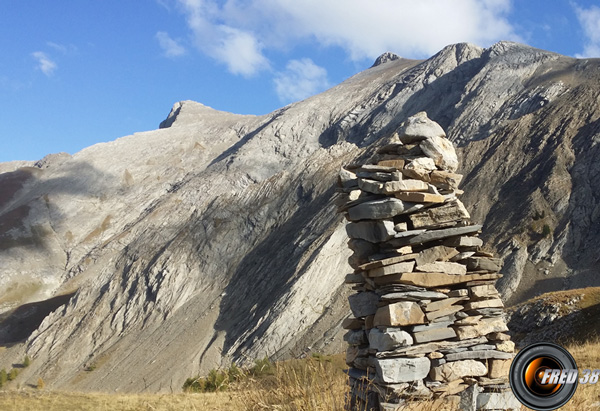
<point>384,58</point>
<point>189,112</point>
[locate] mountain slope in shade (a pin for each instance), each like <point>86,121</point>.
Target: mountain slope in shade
<point>213,239</point>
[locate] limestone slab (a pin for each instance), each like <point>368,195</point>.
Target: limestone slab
<point>417,173</point>
<point>423,349</point>
<point>483,263</point>
<point>476,305</point>
<point>432,315</point>
<point>499,368</point>
<point>481,291</point>
<point>433,235</point>
<point>406,266</point>
<point>437,253</point>
<point>443,267</point>
<point>389,339</point>
<point>351,323</point>
<point>486,326</point>
<point>397,370</point>
<point>451,371</point>
<point>431,280</point>
<point>506,346</point>
<point>375,168</point>
<point>354,279</point>
<point>419,197</point>
<point>449,212</point>
<point>405,186</point>
<point>399,314</point>
<point>435,334</point>
<point>395,164</point>
<point>414,296</point>
<point>445,180</point>
<point>443,304</point>
<point>480,355</point>
<point>363,303</point>
<point>355,337</point>
<point>408,233</point>
<point>379,175</point>
<point>464,241</point>
<point>370,186</point>
<point>381,209</point>
<point>504,400</point>
<point>388,261</point>
<point>376,231</point>
<point>461,292</point>
<point>346,178</point>
<point>441,151</point>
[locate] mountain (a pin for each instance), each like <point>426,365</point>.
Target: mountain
<point>215,238</point>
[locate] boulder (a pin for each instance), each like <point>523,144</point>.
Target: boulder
<point>441,151</point>
<point>419,127</point>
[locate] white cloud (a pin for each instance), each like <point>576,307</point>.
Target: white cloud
<point>238,49</point>
<point>64,49</point>
<point>301,79</point>
<point>590,23</point>
<point>170,47</point>
<point>44,63</point>
<point>238,32</point>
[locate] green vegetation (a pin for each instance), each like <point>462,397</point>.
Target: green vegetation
<point>220,380</point>
<point>546,230</point>
<point>91,367</point>
<point>26,361</point>
<point>12,375</point>
<point>3,377</point>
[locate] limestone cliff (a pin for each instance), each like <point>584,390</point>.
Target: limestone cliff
<point>214,238</point>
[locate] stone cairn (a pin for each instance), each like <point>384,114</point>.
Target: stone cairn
<point>427,321</point>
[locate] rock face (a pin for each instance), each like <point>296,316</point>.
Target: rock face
<point>458,305</point>
<point>151,256</point>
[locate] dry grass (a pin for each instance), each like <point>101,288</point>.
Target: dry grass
<point>66,401</point>
<point>314,384</point>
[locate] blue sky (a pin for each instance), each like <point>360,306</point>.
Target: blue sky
<point>77,72</point>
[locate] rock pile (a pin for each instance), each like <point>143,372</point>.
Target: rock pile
<point>427,321</point>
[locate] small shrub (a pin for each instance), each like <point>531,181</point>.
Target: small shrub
<point>12,375</point>
<point>3,377</point>
<point>26,361</point>
<point>262,368</point>
<point>320,357</point>
<point>91,367</point>
<point>40,384</point>
<point>216,380</point>
<point>546,230</point>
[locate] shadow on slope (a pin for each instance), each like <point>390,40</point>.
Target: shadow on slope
<point>267,274</point>
<point>20,323</point>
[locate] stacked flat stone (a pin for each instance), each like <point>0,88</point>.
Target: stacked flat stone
<point>427,321</point>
